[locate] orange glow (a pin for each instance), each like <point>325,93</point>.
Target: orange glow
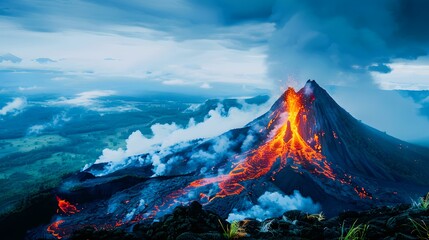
<point>119,223</point>
<point>362,192</point>
<point>287,143</point>
<point>54,229</point>
<point>204,196</point>
<point>66,206</point>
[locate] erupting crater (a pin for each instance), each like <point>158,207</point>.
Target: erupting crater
<point>287,143</point>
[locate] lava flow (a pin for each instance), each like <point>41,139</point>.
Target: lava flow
<point>54,229</point>
<point>287,143</point>
<point>66,206</point>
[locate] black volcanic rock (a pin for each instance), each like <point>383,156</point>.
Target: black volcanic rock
<point>191,222</point>
<point>92,233</point>
<point>183,223</point>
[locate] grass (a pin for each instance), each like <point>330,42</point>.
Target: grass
<point>356,232</point>
<point>420,229</point>
<point>423,202</point>
<point>234,231</point>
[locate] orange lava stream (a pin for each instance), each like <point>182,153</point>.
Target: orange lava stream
<point>66,206</point>
<point>286,143</point>
<point>54,229</point>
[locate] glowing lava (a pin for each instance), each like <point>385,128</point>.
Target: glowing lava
<point>287,143</point>
<point>66,206</point>
<point>54,229</point>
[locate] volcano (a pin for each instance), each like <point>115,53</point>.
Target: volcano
<point>305,142</point>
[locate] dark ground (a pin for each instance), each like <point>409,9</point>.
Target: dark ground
<point>193,222</point>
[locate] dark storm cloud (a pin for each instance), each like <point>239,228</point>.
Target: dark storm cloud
<point>333,41</point>
<point>381,68</point>
<point>413,18</point>
<point>330,39</point>
<point>233,12</point>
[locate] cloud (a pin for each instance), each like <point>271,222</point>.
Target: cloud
<point>182,40</point>
<point>23,89</point>
<point>84,99</point>
<point>15,106</point>
<point>332,42</point>
<point>381,68</point>
<point>9,58</point>
<point>57,121</point>
<point>44,60</point>
<point>201,60</point>
<point>175,82</point>
<point>273,204</point>
<point>406,75</point>
<point>164,136</point>
<point>327,41</point>
<point>205,86</point>
<point>93,101</point>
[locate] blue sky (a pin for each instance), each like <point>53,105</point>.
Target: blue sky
<point>204,46</point>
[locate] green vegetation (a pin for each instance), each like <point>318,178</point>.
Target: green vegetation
<point>423,202</point>
<point>420,228</point>
<point>234,231</point>
<point>356,232</point>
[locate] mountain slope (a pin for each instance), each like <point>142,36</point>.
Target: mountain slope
<point>305,142</point>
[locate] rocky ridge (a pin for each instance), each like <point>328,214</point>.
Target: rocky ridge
<point>194,223</point>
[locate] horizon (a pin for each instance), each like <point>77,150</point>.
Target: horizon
<point>223,49</point>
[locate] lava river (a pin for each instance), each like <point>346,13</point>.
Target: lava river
<point>287,143</point>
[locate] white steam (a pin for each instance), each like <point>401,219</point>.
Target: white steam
<point>15,106</point>
<point>273,204</point>
<point>308,90</point>
<point>165,136</point>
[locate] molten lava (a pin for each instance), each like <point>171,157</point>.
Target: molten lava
<point>54,229</point>
<point>287,143</point>
<point>66,206</point>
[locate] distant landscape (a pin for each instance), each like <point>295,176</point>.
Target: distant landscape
<point>44,142</point>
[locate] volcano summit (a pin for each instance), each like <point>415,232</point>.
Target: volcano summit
<point>305,142</point>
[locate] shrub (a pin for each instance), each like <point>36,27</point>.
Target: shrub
<point>423,202</point>
<point>356,232</point>
<point>234,231</point>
